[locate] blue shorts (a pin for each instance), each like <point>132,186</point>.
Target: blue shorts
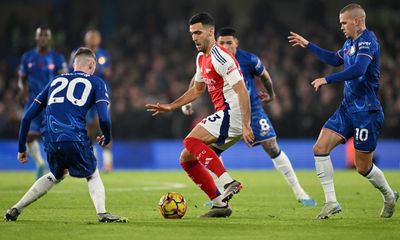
<point>364,126</point>
<point>77,157</point>
<point>261,126</point>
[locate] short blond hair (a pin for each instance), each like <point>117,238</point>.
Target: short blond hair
<point>84,51</point>
<point>355,9</point>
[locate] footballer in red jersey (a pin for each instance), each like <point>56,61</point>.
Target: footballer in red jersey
<point>218,71</point>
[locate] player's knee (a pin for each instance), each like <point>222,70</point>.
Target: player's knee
<point>186,156</point>
<point>94,175</point>
<point>217,150</point>
<point>272,148</point>
<point>52,178</point>
<point>320,149</point>
<point>190,142</point>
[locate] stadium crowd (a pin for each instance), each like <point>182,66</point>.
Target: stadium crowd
<point>153,60</point>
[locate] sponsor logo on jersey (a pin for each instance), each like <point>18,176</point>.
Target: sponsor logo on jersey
<point>231,69</point>
<point>364,45</point>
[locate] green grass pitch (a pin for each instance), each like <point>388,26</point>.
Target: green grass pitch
<point>265,209</point>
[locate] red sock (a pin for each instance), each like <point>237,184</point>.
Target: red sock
<point>201,177</point>
<point>205,155</point>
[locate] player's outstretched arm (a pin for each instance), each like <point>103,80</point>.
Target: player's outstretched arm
<point>244,103</point>
<point>34,109</point>
<point>189,96</point>
<point>326,56</point>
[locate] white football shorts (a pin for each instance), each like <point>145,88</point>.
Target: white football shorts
<point>226,126</point>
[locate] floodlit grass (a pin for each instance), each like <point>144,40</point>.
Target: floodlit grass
<point>265,209</point>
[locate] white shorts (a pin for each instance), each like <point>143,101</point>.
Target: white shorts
<point>226,126</point>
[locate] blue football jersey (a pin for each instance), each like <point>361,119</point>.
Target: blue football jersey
<point>251,66</point>
<point>361,94</point>
<point>40,70</point>
<point>68,98</point>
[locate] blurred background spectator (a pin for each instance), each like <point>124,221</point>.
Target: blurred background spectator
<point>153,57</point>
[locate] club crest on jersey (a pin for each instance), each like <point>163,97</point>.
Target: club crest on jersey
<point>210,83</point>
<point>351,51</point>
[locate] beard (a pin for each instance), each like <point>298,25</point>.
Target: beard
<point>204,46</point>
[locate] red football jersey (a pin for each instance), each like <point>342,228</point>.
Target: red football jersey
<point>220,71</point>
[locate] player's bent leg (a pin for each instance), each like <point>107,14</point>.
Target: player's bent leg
<point>34,151</point>
<point>376,177</point>
<point>38,189</point>
<point>218,183</point>
<point>97,193</point>
<point>284,166</point>
<point>202,178</point>
<point>327,140</point>
<point>197,144</point>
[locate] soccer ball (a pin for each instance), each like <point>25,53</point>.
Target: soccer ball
<point>172,205</point>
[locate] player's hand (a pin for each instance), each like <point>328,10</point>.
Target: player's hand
<point>265,97</point>
<point>317,83</point>
<point>248,136</point>
<point>102,141</point>
<point>158,108</point>
<point>187,109</point>
<point>297,40</point>
<point>23,157</point>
